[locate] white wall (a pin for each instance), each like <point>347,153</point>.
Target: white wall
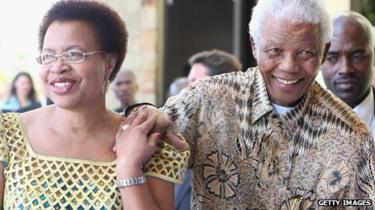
<point>335,6</point>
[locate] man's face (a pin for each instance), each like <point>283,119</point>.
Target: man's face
<point>289,58</point>
<point>347,71</point>
<point>197,71</point>
<point>125,88</point>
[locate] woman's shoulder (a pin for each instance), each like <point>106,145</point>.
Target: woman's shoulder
<point>35,115</point>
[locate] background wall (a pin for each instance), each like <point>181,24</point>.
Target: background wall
<point>162,35</point>
<point>141,17</point>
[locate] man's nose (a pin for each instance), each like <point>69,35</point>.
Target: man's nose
<point>288,64</point>
<point>345,66</point>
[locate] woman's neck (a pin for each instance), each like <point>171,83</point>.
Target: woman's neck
<point>84,121</point>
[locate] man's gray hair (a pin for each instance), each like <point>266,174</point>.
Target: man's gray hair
<point>296,11</point>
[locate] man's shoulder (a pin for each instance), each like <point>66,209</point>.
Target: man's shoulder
<point>232,80</point>
<point>335,112</point>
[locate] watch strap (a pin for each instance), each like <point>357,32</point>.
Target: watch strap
<point>130,181</point>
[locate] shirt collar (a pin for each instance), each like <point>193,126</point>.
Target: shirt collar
<point>261,104</point>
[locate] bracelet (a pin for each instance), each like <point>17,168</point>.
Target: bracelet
<point>129,108</point>
<point>137,180</point>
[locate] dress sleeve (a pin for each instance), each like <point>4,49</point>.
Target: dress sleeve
<point>168,163</point>
<point>3,142</point>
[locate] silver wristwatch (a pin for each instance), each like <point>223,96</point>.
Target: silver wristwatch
<point>120,183</point>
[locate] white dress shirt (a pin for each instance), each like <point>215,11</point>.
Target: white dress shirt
<point>365,110</point>
<point>281,109</point>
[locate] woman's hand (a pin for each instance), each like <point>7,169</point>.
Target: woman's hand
<point>164,126</point>
<point>134,142</point>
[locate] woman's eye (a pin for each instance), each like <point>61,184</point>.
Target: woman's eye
<point>74,55</point>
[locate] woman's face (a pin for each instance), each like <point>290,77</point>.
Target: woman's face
<point>74,84</point>
<point>23,86</point>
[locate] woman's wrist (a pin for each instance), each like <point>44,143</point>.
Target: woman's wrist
<point>125,168</point>
<point>124,172</point>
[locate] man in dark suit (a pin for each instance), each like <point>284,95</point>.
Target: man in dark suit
<point>348,69</point>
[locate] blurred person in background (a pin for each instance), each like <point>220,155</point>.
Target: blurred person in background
<point>125,87</point>
<point>210,63</point>
<point>177,85</point>
<point>22,95</point>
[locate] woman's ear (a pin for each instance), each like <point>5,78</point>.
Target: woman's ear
<point>110,64</point>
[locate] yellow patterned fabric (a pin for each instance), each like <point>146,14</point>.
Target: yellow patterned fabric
<point>34,181</point>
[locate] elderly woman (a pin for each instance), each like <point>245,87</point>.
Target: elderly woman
<point>71,155</point>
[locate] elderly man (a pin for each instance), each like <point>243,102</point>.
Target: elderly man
<point>210,63</point>
<point>125,87</point>
<point>348,69</point>
<point>272,138</point>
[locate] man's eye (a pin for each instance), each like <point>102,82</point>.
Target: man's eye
<point>273,51</point>
<point>306,54</point>
<point>332,59</point>
<point>358,57</point>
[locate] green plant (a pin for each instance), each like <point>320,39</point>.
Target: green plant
<point>368,10</point>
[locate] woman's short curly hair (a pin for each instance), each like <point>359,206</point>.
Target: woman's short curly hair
<point>109,27</point>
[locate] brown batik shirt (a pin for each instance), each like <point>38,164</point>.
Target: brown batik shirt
<point>246,156</point>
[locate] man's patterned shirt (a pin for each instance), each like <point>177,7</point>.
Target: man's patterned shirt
<point>246,156</point>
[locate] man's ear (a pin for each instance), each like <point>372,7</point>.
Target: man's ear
<point>253,47</point>
<point>325,52</point>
